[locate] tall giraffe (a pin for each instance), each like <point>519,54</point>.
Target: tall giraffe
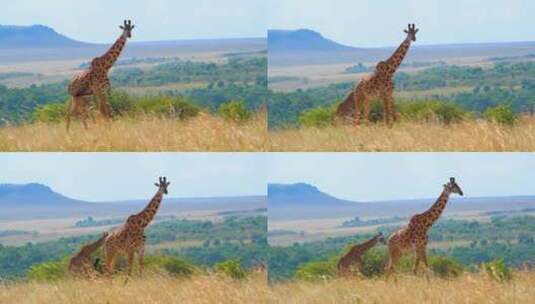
<point>81,264</point>
<point>413,237</point>
<point>94,80</point>
<point>380,85</point>
<point>130,238</point>
<point>354,255</point>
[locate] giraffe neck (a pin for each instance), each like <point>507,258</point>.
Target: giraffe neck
<point>110,57</point>
<point>368,244</point>
<point>90,248</point>
<point>395,60</point>
<point>147,214</point>
<point>436,209</point>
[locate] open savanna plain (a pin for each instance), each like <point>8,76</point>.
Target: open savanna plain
<point>466,289</point>
<point>472,135</point>
<point>151,288</point>
<point>205,132</point>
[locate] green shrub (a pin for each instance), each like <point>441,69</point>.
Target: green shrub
<point>445,267</point>
<point>498,271</point>
<point>502,114</point>
<point>234,110</point>
<point>231,268</point>
<point>175,266</point>
<point>374,263</point>
<point>427,111</point>
<point>50,113</point>
<point>318,117</point>
<point>120,102</point>
<point>167,106</point>
<point>48,271</point>
<point>317,270</point>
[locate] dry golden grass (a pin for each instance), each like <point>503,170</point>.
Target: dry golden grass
<point>480,136</point>
<point>469,288</point>
<point>202,289</point>
<point>202,133</point>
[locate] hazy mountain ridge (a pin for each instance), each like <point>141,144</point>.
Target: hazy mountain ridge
<point>304,201</point>
<point>34,36</point>
<point>31,201</point>
<point>306,47</point>
<point>303,40</point>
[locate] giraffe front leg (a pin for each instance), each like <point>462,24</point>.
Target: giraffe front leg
<point>388,106</point>
<point>394,255</point>
<point>103,105</point>
<point>130,262</point>
<point>141,256</point>
<point>417,259</point>
<point>109,256</point>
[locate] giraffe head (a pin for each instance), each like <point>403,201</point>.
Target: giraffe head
<point>381,238</point>
<point>453,187</point>
<point>162,185</point>
<point>411,32</point>
<point>127,28</point>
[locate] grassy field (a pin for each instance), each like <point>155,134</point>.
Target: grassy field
<point>151,288</point>
<point>202,133</point>
<point>474,135</point>
<point>467,289</point>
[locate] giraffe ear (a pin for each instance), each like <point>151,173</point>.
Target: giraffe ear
<point>156,184</point>
<point>416,31</point>
<point>133,26</point>
<point>121,27</point>
<point>406,32</point>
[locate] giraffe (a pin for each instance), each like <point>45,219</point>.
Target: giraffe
<point>130,238</point>
<point>81,264</point>
<point>413,237</point>
<point>354,255</point>
<point>94,80</point>
<point>380,85</point>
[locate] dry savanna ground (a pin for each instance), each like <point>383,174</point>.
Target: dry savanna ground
<point>153,288</point>
<point>473,135</point>
<point>467,289</point>
<point>201,133</point>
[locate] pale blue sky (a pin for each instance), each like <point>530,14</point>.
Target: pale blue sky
<point>372,23</point>
<point>98,20</point>
<point>386,176</point>
<point>117,176</point>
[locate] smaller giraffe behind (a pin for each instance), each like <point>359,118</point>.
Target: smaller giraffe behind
<point>81,264</point>
<point>353,257</point>
<point>130,238</point>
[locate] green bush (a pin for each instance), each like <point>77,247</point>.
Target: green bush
<point>442,112</point>
<point>502,114</point>
<point>50,113</point>
<point>445,267</point>
<point>120,102</point>
<point>231,268</point>
<point>317,270</point>
<point>234,110</point>
<point>48,271</point>
<point>318,117</point>
<point>374,263</point>
<point>498,271</point>
<point>167,106</point>
<point>175,266</point>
